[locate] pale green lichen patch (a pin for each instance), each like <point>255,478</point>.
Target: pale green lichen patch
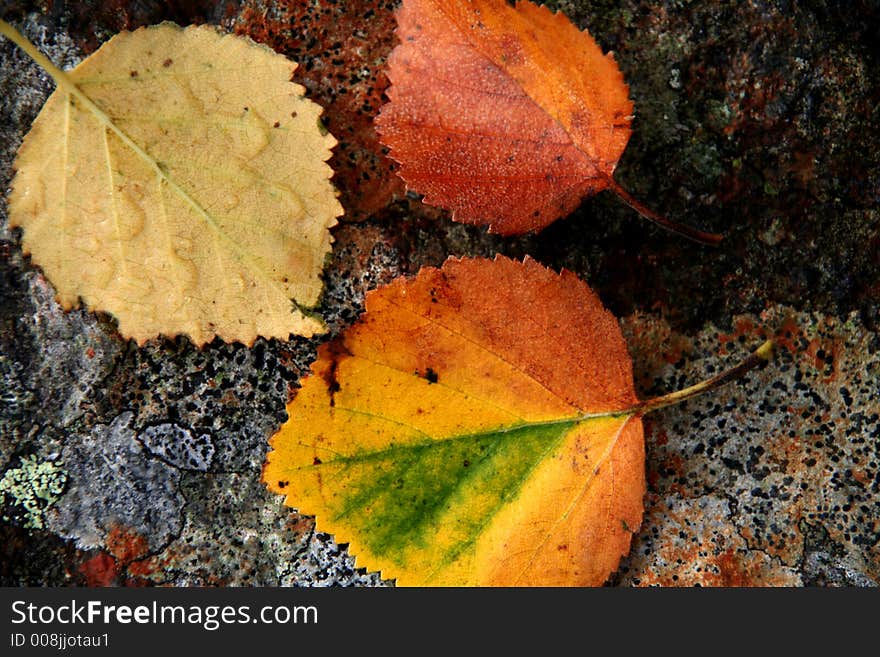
<point>33,487</point>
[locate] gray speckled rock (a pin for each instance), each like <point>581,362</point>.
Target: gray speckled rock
<point>177,446</point>
<point>114,483</point>
<point>772,480</point>
<point>238,534</point>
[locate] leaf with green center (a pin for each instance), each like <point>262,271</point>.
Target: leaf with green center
<point>477,426</point>
<point>442,435</point>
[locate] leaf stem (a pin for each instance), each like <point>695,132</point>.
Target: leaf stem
<point>31,50</point>
<point>63,81</point>
<point>761,355</point>
<point>699,236</point>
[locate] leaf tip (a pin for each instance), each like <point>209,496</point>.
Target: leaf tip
<point>765,351</point>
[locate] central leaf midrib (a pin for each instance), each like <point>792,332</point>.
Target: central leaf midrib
<point>366,456</point>
<point>63,80</point>
<point>452,554</point>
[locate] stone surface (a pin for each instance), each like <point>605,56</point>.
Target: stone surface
<point>112,482</point>
<point>756,119</point>
<point>774,480</point>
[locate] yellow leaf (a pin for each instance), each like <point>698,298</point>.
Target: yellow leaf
<point>471,429</point>
<point>478,425</point>
<point>177,179</point>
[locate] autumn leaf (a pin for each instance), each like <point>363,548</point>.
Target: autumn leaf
<point>477,426</point>
<point>508,116</point>
<point>177,179</point>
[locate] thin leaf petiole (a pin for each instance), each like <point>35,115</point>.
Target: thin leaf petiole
<point>699,236</point>
<point>761,355</point>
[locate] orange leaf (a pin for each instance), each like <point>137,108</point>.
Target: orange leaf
<point>505,114</point>
<point>508,116</point>
<point>475,427</point>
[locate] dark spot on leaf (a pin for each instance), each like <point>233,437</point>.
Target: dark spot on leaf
<point>431,375</point>
<point>316,461</point>
<point>333,387</point>
<point>466,463</point>
<point>133,74</point>
<point>334,351</point>
<point>168,62</point>
<point>283,484</point>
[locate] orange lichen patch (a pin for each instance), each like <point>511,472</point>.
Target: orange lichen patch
<point>743,329</point>
<point>820,349</point>
<point>823,354</point>
<point>100,570</point>
<point>341,48</point>
<point>658,437</point>
<point>861,476</point>
<point>787,334</point>
<point>145,569</point>
<point>734,570</point>
<point>123,563</point>
<point>125,544</point>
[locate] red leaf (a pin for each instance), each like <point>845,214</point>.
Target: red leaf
<point>508,116</point>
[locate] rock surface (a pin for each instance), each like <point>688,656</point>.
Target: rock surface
<point>126,465</point>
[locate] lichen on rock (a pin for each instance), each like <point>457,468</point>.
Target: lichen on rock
<point>32,487</point>
<point>113,482</point>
